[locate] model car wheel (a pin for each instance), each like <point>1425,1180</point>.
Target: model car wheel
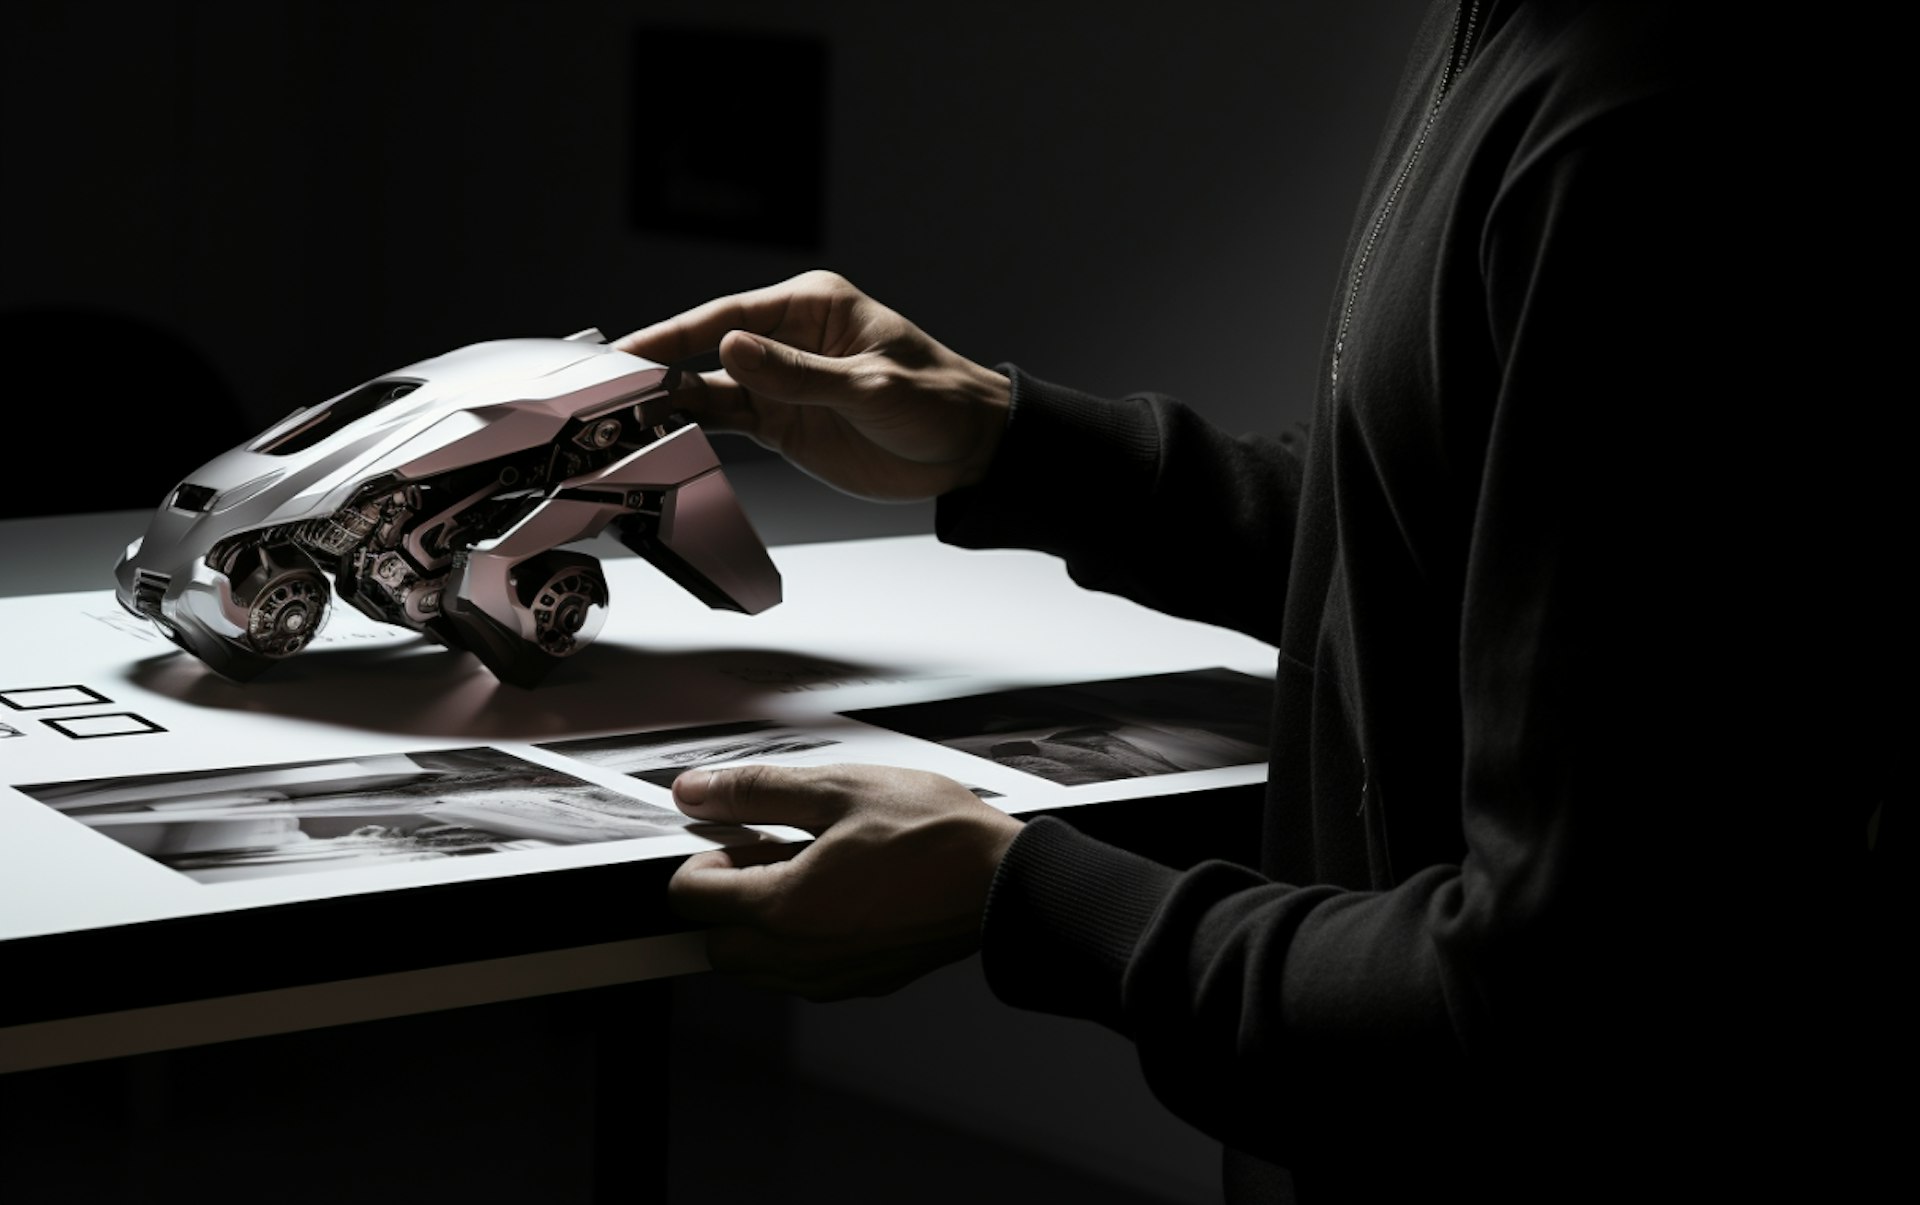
<point>287,608</point>
<point>569,604</point>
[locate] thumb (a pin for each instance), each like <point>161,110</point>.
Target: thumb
<point>785,374</point>
<point>808,797</point>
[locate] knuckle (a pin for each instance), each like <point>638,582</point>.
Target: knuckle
<point>743,782</point>
<point>876,380</point>
<point>824,280</point>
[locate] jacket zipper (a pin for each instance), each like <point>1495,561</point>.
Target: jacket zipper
<point>1466,23</point>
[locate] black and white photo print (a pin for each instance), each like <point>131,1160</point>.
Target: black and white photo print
<point>1091,732</point>
<point>300,817</point>
<point>662,756</point>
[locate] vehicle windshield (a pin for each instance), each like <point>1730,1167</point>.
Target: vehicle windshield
<point>304,428</point>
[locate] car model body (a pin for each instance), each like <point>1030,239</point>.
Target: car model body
<point>437,498</point>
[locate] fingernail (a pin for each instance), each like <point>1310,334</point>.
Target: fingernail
<point>692,786</point>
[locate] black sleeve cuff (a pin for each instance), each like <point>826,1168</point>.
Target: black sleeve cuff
<point>1064,916</point>
<point>1068,468</point>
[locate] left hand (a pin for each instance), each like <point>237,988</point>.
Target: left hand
<point>894,884</point>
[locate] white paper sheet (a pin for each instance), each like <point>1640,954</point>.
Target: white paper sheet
<point>140,785</point>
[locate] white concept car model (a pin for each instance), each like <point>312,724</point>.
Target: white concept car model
<point>437,497</point>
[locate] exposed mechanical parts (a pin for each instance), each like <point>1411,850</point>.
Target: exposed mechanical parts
<point>436,499</point>
<point>286,600</point>
<point>562,605</point>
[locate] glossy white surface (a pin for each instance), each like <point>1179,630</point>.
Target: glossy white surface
<point>866,623</point>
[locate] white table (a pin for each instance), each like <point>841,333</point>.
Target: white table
<point>865,624</point>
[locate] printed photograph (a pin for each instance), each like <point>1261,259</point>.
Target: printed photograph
<point>662,756</point>
<point>1090,732</point>
<point>301,817</point>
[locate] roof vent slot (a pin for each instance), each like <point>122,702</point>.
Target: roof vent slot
<point>305,428</point>
<point>196,498</point>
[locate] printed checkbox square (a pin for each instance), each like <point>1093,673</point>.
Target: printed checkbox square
<point>41,698</point>
<point>113,723</point>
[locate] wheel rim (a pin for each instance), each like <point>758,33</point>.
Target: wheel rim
<point>564,611</point>
<point>287,613</point>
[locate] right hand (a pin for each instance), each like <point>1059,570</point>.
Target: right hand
<point>839,384</point>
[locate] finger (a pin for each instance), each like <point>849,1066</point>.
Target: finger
<point>736,835</point>
<point>700,329</point>
<point>733,885</point>
<point>788,374</point>
<point>717,402</point>
<point>748,846</point>
<point>808,797</point>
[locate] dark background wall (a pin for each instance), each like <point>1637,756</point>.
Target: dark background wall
<point>277,201</point>
<point>214,212</point>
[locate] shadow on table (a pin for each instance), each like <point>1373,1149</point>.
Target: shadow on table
<point>420,689</point>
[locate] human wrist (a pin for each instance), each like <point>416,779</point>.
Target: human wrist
<point>988,397</point>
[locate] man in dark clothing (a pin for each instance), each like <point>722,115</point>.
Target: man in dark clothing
<point>1563,892</point>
